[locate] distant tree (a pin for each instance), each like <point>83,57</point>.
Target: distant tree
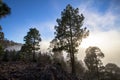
<point>1,52</point>
<point>1,42</point>
<point>69,32</point>
<point>44,59</point>
<point>112,72</point>
<point>12,55</point>
<point>80,68</point>
<point>55,49</point>
<point>1,37</point>
<point>5,56</point>
<point>26,52</point>
<point>4,9</point>
<point>9,55</point>
<point>93,62</point>
<point>32,40</point>
<point>1,34</point>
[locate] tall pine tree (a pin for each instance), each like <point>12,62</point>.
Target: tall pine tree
<point>69,33</point>
<point>32,40</point>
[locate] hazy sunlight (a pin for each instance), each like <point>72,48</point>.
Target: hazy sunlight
<point>92,40</point>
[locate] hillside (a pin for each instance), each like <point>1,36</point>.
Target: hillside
<point>33,71</point>
<point>10,45</point>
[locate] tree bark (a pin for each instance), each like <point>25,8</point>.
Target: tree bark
<point>72,53</point>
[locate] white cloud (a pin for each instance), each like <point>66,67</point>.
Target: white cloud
<point>108,42</point>
<point>104,33</point>
<point>96,21</point>
<point>44,45</point>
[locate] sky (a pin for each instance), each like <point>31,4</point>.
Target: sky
<point>102,18</point>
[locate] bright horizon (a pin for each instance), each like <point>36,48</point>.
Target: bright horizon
<point>101,18</point>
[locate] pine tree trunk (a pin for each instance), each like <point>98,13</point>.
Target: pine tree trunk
<point>34,51</point>
<point>72,53</point>
<point>34,56</point>
<point>73,64</point>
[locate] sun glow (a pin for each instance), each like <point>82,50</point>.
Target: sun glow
<point>91,41</point>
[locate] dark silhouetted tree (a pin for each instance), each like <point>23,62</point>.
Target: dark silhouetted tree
<point>1,52</point>
<point>32,40</point>
<point>80,69</point>
<point>5,56</point>
<point>4,9</point>
<point>44,59</point>
<point>1,34</point>
<point>112,72</point>
<point>26,52</point>
<point>1,42</point>
<point>93,62</point>
<point>69,32</point>
<point>10,55</point>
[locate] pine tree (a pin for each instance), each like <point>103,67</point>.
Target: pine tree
<point>4,9</point>
<point>1,41</point>
<point>32,40</point>
<point>93,62</point>
<point>69,32</point>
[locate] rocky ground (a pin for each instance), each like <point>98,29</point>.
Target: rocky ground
<point>33,71</point>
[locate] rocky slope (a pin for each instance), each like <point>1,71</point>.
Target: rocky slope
<point>33,71</point>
